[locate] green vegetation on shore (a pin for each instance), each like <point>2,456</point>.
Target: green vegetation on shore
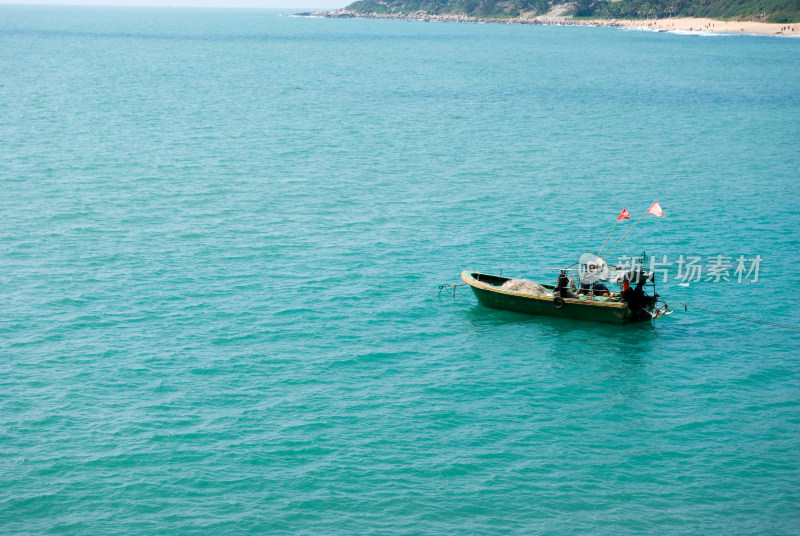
<point>778,11</point>
<point>763,10</point>
<point>474,8</point>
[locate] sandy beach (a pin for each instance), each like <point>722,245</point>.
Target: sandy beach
<point>702,25</point>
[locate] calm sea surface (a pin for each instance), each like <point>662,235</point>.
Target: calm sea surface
<point>222,235</point>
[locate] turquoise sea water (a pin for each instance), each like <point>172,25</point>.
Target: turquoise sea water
<point>223,234</point>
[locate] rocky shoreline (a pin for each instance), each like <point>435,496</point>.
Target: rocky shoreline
<point>427,17</point>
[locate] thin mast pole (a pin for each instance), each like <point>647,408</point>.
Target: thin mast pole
<point>626,234</point>
<point>609,236</point>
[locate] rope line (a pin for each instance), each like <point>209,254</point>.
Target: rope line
<point>447,287</point>
<point>793,327</point>
<point>609,236</point>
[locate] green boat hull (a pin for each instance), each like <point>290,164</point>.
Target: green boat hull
<point>487,289</point>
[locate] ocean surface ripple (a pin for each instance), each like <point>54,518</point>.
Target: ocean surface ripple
<point>223,232</point>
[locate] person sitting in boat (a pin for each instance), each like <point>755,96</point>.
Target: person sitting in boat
<point>627,294</point>
<point>562,286</point>
<point>633,297</point>
<point>595,289</point>
<point>600,289</point>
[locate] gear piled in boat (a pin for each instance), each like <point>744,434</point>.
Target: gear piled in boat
<point>526,286</point>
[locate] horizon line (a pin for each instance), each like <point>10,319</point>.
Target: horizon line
<point>212,4</point>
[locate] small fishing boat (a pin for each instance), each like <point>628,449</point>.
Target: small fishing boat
<point>500,292</point>
<point>590,298</point>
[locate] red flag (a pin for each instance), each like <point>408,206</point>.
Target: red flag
<point>655,210</point>
<point>624,215</point>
